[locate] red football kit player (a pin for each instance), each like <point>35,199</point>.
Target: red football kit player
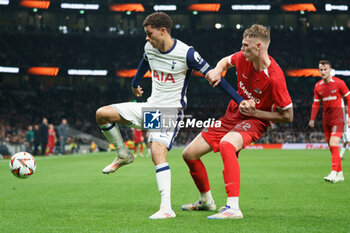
<point>261,82</point>
<point>51,142</point>
<point>331,91</point>
<point>138,140</point>
<point>266,88</point>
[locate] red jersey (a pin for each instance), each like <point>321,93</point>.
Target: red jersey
<point>138,136</point>
<point>52,136</point>
<point>267,88</point>
<point>331,95</point>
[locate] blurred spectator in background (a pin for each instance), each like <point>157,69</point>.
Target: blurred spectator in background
<point>94,147</point>
<point>52,139</point>
<point>4,151</point>
<point>30,138</point>
<point>36,139</point>
<point>63,133</point>
<point>73,146</point>
<point>44,135</point>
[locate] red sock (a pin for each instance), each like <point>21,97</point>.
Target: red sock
<point>141,148</point>
<point>199,174</point>
<point>336,161</point>
<point>135,149</point>
<point>231,172</point>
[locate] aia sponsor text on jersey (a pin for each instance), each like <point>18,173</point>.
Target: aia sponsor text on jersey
<point>163,77</point>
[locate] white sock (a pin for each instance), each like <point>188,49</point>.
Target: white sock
<point>163,176</point>
<point>333,173</point>
<point>206,197</point>
<point>232,202</point>
<point>149,151</point>
<point>112,133</point>
<point>342,150</point>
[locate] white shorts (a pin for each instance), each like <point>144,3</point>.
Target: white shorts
<point>133,112</point>
<point>346,134</point>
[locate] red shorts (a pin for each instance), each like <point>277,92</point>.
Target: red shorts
<point>333,130</point>
<point>251,130</point>
<point>138,139</point>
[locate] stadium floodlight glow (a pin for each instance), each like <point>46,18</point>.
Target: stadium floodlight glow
<point>299,7</point>
<point>137,7</point>
<point>342,72</point>
<point>266,7</point>
<point>218,25</point>
<point>330,7</point>
<point>130,73</point>
<point>4,2</point>
<point>164,8</point>
<point>79,6</point>
<point>87,72</point>
<point>46,71</point>
<point>204,7</point>
<point>5,69</point>
<point>314,72</point>
<point>35,4</point>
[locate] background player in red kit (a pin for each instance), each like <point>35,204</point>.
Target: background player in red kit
<point>138,140</point>
<point>331,91</point>
<point>261,81</point>
<point>51,142</point>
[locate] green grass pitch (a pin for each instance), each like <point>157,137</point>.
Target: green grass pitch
<point>281,191</point>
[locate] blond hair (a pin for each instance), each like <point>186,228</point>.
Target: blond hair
<point>258,31</point>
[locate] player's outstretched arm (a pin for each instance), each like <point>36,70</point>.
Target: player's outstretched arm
<point>141,71</point>
<point>196,62</point>
<point>214,75</point>
<point>230,91</point>
<point>280,116</point>
<point>314,111</point>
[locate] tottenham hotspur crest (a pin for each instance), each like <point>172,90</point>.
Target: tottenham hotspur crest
<point>173,66</point>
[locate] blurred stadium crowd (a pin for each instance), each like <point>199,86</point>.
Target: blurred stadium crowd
<point>26,100</point>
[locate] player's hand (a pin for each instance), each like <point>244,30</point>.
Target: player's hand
<point>214,77</point>
<point>312,123</point>
<point>247,107</point>
<point>137,91</point>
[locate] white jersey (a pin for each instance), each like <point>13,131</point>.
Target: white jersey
<point>171,71</point>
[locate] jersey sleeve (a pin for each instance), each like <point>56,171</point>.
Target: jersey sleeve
<point>196,62</point>
<point>280,92</point>
<point>141,71</point>
<point>317,97</point>
<point>344,90</point>
<point>233,59</point>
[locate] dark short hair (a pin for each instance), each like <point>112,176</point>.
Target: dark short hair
<point>158,20</point>
<point>325,62</point>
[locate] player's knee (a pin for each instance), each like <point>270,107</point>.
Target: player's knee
<point>186,155</point>
<point>100,114</point>
<point>236,143</point>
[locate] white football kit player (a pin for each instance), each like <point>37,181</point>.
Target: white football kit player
<point>171,73</point>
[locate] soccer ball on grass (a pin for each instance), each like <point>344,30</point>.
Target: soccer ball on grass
<point>22,165</point>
